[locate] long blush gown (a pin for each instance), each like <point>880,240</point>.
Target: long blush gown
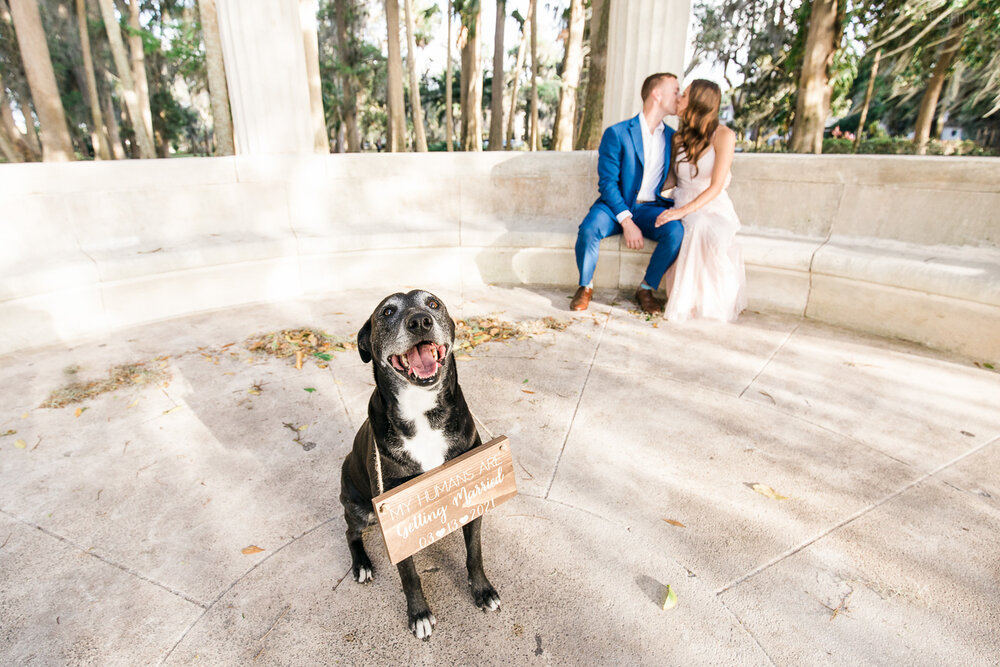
<point>708,280</point>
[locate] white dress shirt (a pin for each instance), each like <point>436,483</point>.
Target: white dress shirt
<point>653,149</point>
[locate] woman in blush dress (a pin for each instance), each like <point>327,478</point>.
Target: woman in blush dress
<point>708,279</point>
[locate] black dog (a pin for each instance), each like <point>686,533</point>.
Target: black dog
<point>417,420</point>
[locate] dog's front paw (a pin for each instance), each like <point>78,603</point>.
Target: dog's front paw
<point>422,624</point>
<point>363,570</point>
<point>363,574</point>
<point>486,597</point>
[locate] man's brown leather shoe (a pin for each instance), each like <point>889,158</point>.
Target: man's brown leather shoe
<point>649,303</point>
<point>582,298</point>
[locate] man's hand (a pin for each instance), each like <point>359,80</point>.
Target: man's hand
<point>633,235</point>
<point>669,215</point>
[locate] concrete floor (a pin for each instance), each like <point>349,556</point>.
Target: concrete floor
<point>122,529</point>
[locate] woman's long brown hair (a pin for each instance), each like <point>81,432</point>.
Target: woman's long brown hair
<point>698,122</point>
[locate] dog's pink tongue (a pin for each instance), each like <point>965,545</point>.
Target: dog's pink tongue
<point>421,361</point>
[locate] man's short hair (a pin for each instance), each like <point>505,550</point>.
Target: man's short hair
<point>652,81</point>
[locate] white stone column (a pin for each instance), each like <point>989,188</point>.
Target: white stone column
<point>644,37</point>
<point>262,44</point>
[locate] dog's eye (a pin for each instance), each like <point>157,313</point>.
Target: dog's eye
<point>388,311</point>
<point>433,304</point>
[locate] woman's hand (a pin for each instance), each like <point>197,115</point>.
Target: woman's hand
<point>669,215</point>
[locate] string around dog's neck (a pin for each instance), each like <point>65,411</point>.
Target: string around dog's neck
<point>378,470</point>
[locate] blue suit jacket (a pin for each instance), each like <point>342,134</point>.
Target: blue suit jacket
<point>620,163</point>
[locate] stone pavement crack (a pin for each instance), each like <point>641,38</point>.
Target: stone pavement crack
<point>747,630</point>
<point>769,359</point>
<point>857,515</point>
<point>579,399</point>
<point>104,559</point>
<point>243,576</point>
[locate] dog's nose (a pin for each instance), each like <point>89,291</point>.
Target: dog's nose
<point>419,323</point>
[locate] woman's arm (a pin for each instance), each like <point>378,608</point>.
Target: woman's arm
<point>724,144</point>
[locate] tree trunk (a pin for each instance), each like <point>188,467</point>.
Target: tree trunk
<point>449,120</point>
<point>97,136</point>
<point>56,144</point>
<point>812,103</point>
<point>572,65</point>
<point>472,81</point>
<point>17,141</point>
<point>496,103</point>
<point>348,56</point>
<point>138,62</point>
<point>394,99</point>
<point>593,105</point>
<point>420,139</point>
<point>218,88</point>
<point>533,136</point>
<point>928,104</point>
<point>143,139</point>
<point>868,100</point>
<point>10,153</point>
<point>518,67</point>
<point>111,124</point>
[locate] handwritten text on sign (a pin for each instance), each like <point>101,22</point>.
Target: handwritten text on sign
<point>426,508</point>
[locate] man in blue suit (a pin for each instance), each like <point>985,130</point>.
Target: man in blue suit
<point>633,161</point>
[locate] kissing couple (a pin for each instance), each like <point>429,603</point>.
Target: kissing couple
<point>694,227</point>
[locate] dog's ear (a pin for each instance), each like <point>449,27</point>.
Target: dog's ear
<point>365,342</point>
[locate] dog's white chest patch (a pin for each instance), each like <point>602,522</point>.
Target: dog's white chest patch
<point>428,446</point>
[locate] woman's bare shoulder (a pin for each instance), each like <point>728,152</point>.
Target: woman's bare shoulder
<point>724,134</point>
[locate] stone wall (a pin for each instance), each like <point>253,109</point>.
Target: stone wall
<point>902,246</point>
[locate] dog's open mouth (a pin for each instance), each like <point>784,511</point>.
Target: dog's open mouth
<point>421,362</point>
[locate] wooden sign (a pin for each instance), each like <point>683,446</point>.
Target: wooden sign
<point>421,511</point>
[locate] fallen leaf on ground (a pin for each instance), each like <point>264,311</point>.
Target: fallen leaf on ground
<point>765,490</point>
<point>463,357</point>
<point>24,416</point>
<point>527,391</point>
<point>304,427</point>
<point>670,599</point>
<point>675,522</point>
<point>79,411</point>
<point>255,392</point>
<point>20,444</point>
<point>310,389</point>
<point>134,403</point>
<point>298,360</point>
<point>173,409</point>
<point>252,549</point>
<point>8,432</point>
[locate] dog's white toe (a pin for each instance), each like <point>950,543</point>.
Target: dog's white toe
<point>364,575</point>
<point>423,626</point>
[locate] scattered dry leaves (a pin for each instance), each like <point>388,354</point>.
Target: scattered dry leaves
<point>300,344</point>
<point>675,522</point>
<point>252,549</point>
<point>119,377</point>
<point>474,331</point>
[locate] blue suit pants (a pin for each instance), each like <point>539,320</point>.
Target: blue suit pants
<point>600,224</point>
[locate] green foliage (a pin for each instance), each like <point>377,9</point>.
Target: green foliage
<point>880,144</point>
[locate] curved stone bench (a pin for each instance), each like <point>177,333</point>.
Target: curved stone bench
<point>904,247</point>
